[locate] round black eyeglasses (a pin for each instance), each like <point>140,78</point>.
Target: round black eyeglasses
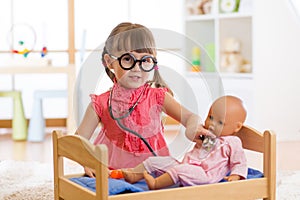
<point>127,61</point>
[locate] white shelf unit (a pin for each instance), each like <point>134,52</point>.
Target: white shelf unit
<point>212,29</point>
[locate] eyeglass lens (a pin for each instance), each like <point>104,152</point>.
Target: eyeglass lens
<point>128,61</point>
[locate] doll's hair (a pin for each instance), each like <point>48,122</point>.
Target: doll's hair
<point>127,37</point>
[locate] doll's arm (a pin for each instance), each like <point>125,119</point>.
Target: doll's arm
<point>238,161</point>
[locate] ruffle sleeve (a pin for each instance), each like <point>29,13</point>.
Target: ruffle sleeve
<point>96,102</point>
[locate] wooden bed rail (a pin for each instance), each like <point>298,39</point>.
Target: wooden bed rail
<point>82,151</point>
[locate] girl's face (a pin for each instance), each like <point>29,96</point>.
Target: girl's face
<point>133,78</point>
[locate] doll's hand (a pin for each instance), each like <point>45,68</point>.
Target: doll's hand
<point>89,172</point>
<point>232,177</point>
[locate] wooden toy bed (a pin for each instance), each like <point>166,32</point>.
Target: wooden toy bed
<point>82,151</point>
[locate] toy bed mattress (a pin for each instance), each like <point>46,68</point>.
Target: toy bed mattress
<point>120,186</point>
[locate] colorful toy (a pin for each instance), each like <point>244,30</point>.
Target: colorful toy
<point>44,52</point>
<point>196,62</point>
<point>23,50</point>
<point>21,39</point>
<point>117,174</point>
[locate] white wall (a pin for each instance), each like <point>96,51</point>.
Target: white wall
<point>277,68</point>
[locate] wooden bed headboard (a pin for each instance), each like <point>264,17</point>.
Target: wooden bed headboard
<point>251,139</point>
<point>85,153</point>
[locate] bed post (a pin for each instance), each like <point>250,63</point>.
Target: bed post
<point>102,172</point>
<point>57,163</point>
<point>270,162</point>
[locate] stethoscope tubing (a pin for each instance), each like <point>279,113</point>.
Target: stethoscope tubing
<point>117,119</point>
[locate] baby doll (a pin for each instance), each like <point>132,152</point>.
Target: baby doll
<point>202,165</point>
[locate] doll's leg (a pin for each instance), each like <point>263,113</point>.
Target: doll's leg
<point>162,181</point>
<point>133,175</point>
<point>188,175</point>
<point>160,164</point>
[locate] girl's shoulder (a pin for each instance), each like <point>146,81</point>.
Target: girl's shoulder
<point>159,89</point>
<point>96,97</point>
<point>156,93</point>
<point>156,89</point>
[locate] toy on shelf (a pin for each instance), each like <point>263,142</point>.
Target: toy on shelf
<point>229,6</point>
<point>44,52</point>
<point>231,57</point>
<point>198,7</point>
<point>22,49</point>
<point>196,62</point>
<point>21,39</point>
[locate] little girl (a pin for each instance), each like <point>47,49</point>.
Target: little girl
<point>204,163</point>
<point>130,112</point>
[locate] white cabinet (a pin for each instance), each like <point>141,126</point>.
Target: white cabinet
<point>221,36</point>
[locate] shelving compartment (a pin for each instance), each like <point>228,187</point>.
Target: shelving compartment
<point>240,29</point>
<point>201,34</point>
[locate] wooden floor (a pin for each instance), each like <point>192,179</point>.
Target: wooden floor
<point>24,150</point>
<point>42,151</point>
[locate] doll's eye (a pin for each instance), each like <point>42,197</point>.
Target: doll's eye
<point>211,117</point>
<point>221,123</point>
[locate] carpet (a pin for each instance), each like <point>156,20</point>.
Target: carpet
<point>20,180</point>
<point>288,185</point>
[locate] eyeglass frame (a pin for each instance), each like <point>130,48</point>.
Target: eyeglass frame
<point>135,61</point>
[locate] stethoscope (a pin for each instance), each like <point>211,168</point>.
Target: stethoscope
<point>130,110</point>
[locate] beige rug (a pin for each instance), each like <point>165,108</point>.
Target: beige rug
<point>288,185</point>
<point>34,181</point>
<point>29,180</point>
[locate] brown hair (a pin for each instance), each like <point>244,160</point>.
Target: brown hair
<point>127,37</point>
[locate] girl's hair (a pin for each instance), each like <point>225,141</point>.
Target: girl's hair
<point>127,37</point>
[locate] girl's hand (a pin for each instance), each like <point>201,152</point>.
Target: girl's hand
<point>89,172</point>
<point>201,132</point>
<point>195,132</point>
<point>198,142</point>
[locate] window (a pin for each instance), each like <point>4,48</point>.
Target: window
<point>48,20</point>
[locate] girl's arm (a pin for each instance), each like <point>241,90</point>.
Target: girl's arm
<point>86,128</point>
<point>89,123</point>
<point>191,121</point>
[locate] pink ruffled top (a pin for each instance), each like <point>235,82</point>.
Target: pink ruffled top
<point>124,148</point>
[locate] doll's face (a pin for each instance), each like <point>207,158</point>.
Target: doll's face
<point>225,117</point>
